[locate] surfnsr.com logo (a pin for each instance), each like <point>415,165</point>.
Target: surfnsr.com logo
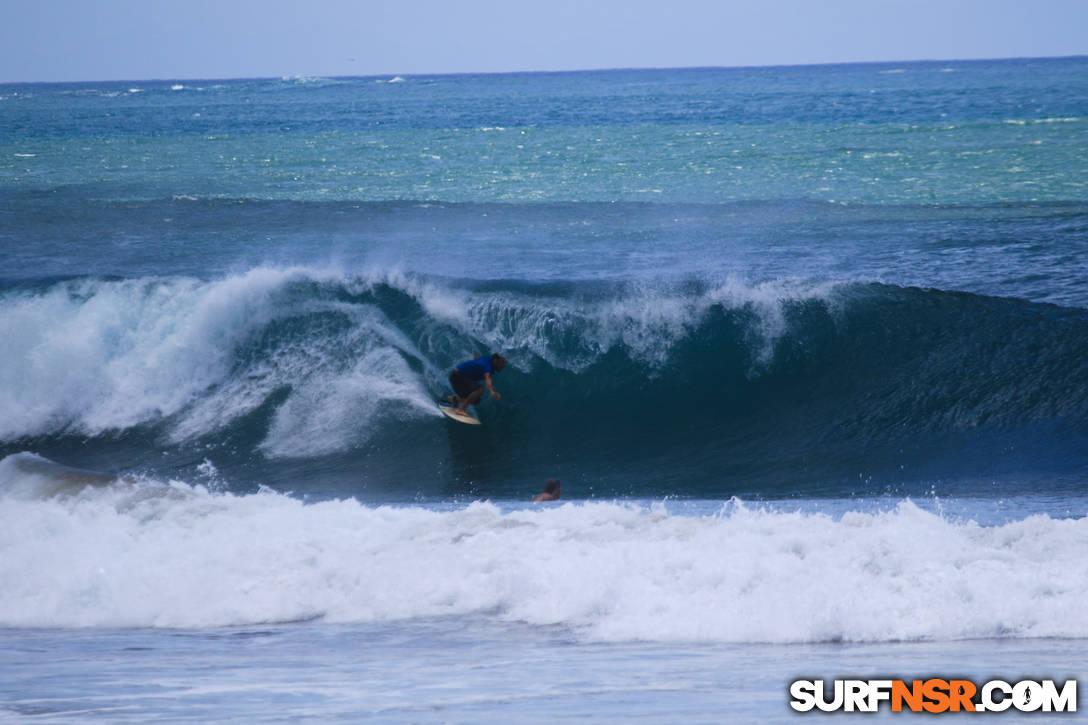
<point>933,695</point>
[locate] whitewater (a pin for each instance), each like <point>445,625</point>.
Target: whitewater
<point>806,346</point>
<point>144,554</point>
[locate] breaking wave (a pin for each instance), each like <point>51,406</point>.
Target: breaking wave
<point>794,379</point>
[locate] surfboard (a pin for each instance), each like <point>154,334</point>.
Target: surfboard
<point>452,413</point>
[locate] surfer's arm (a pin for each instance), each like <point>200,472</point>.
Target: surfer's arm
<point>490,387</point>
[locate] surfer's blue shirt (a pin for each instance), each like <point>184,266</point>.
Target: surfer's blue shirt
<point>476,369</point>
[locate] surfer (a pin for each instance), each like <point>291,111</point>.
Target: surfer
<point>466,378</point>
<point>552,491</point>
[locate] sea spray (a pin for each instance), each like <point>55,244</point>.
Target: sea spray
<point>808,383</point>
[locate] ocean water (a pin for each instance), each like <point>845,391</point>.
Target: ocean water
<point>808,348</point>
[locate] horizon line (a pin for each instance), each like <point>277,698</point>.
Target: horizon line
<point>616,69</point>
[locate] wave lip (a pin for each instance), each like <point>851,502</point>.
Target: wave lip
<point>790,380</point>
<point>99,356</point>
<point>609,571</point>
<point>30,476</point>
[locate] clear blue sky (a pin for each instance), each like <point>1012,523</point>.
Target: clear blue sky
<point>66,40</point>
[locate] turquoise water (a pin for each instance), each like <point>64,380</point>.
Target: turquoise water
<point>915,133</point>
<point>856,296</point>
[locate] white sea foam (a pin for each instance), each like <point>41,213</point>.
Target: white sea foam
<point>304,80</point>
<point>104,356</point>
<point>331,413</point>
<point>1035,121</point>
<point>648,320</point>
<point>95,356</point>
<point>179,556</point>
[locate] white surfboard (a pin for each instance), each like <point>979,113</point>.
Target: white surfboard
<point>452,413</point>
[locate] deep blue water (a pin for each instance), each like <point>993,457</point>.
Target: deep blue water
<point>853,297</point>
